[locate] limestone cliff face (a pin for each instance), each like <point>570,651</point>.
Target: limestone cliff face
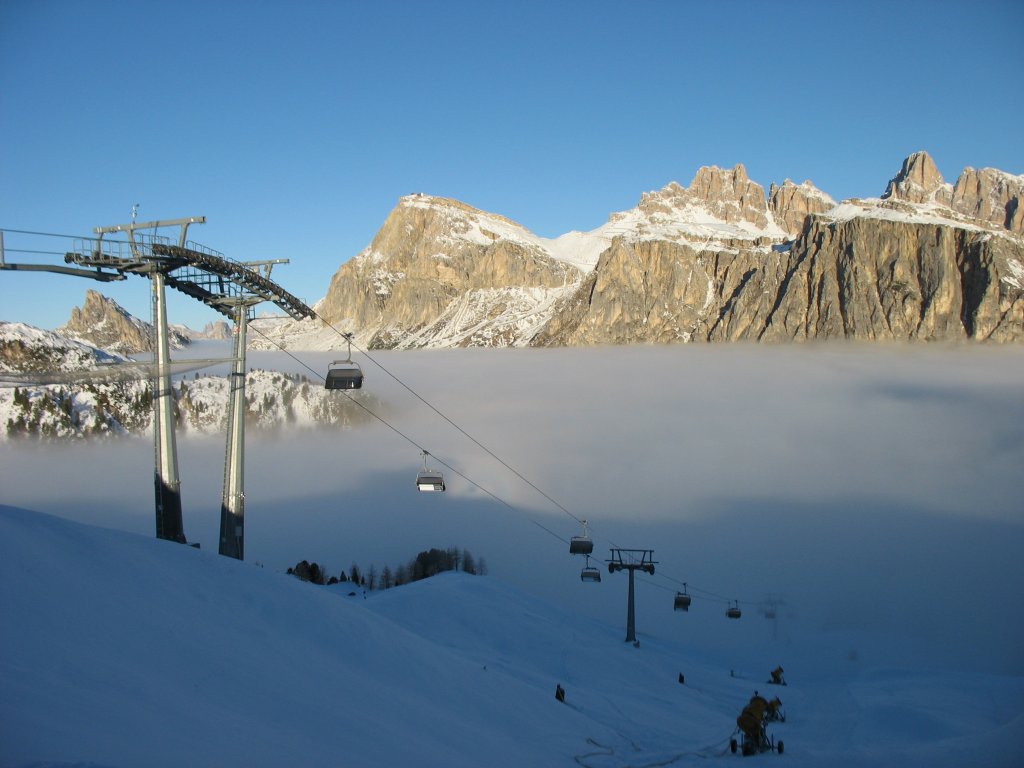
<point>441,268</point>
<point>992,196</point>
<point>103,323</point>
<point>897,280</point>
<point>857,279</point>
<point>664,293</point>
<point>791,203</point>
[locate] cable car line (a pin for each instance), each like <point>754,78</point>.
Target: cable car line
<point>712,595</point>
<point>410,440</point>
<point>419,397</point>
<point>40,234</point>
<point>28,250</point>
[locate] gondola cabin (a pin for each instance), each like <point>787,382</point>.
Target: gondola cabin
<point>590,573</point>
<point>429,480</point>
<point>682,602</point>
<point>344,374</point>
<point>733,612</point>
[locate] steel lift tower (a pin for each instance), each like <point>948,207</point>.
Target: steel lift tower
<point>166,480</point>
<point>638,560</point>
<point>233,289</point>
<point>232,502</point>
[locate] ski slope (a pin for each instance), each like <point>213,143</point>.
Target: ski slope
<point>117,649</point>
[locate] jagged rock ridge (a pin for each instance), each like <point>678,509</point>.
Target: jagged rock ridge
<point>986,195</point>
<point>716,261</point>
<point>103,323</point>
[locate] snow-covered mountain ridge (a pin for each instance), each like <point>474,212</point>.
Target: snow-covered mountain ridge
<point>95,393</point>
<point>102,322</point>
<point>715,261</point>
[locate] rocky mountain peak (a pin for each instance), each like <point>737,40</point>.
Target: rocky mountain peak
<point>726,193</point>
<point>987,196</point>
<point>218,330</point>
<point>791,203</point>
<point>104,323</point>
<point>919,181</point>
<point>992,196</point>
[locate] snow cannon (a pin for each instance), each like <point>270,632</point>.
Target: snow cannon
<point>750,726</point>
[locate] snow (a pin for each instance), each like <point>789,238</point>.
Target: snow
<point>1016,276</point>
<point>910,213</point>
<point>875,490</point>
<point>65,354</point>
<point>690,222</point>
<point>123,650</point>
<point>808,189</point>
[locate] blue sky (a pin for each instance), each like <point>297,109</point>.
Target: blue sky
<point>295,127</point>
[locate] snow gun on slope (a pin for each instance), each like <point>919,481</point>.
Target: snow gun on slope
<point>750,727</point>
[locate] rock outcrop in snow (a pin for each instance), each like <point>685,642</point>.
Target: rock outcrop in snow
<point>103,323</point>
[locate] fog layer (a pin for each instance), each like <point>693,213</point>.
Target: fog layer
<point>875,492</point>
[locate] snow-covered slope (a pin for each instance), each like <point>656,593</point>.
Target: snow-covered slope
<point>90,397</point>
<point>26,348</point>
<point>119,650</point>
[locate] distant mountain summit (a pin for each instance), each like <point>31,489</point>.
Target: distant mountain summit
<point>986,196</point>
<point>718,260</point>
<point>104,323</point>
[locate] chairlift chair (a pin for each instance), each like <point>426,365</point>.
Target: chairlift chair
<point>682,600</point>
<point>429,479</point>
<point>344,374</point>
<point>590,572</point>
<point>581,545</point>
<point>733,611</point>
